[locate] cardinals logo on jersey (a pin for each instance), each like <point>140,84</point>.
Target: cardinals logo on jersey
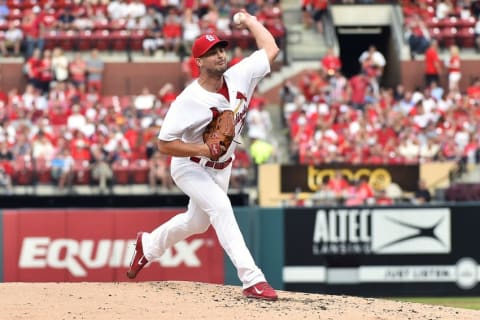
<point>240,112</point>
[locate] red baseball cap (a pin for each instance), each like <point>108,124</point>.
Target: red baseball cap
<point>204,43</point>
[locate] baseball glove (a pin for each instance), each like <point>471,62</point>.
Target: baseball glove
<point>219,134</point>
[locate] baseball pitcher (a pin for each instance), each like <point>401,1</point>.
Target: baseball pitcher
<point>200,133</point>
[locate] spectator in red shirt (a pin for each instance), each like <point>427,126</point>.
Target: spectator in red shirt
<point>358,86</point>
<point>240,167</point>
<point>57,114</point>
<point>433,66</point>
<point>330,62</point>
<point>337,184</point>
<point>172,32</point>
<point>190,69</point>
<point>473,91</point>
<point>79,147</point>
<point>32,68</point>
<point>47,19</point>
<point>45,72</point>
<point>31,32</point>
<point>78,70</point>
<point>360,193</point>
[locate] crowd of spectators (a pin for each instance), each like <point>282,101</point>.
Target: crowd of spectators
<point>61,130</point>
<point>333,119</point>
<point>449,22</point>
<point>124,25</point>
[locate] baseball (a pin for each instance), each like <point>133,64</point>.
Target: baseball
<point>238,17</point>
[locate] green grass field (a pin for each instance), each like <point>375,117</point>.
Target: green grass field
<point>455,302</point>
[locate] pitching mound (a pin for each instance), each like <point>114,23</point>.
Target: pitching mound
<point>187,300</point>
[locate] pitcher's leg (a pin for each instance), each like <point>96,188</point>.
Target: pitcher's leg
<point>209,197</point>
<point>179,227</point>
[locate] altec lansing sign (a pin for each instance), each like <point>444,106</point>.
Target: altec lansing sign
<point>97,245</point>
<point>354,246</point>
<point>394,231</point>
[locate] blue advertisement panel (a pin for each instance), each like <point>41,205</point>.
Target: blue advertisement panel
<point>384,251</point>
<point>262,230</point>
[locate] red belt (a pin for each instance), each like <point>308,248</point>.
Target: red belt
<point>213,164</point>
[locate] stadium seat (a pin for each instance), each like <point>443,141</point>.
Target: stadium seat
<point>466,23</point>
<point>81,170</point>
<point>42,171</point>
<point>67,39</point>
<point>448,22</point>
<point>136,40</point>
<point>448,36</point>
<point>139,170</point>
<point>120,40</point>
<point>3,25</point>
<point>50,39</point>
<point>101,39</point>
<point>100,25</point>
<point>466,38</point>
<point>15,13</point>
<point>432,23</point>
<point>435,33</point>
<point>84,40</point>
<point>23,171</point>
<point>121,172</point>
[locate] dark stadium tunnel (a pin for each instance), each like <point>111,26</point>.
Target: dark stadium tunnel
<point>354,41</point>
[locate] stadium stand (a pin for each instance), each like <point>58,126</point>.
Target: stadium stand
<point>329,117</point>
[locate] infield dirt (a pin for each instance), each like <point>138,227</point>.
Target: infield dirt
<point>193,300</point>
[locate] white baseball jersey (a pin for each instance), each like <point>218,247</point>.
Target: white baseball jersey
<point>190,113</point>
<point>206,187</point>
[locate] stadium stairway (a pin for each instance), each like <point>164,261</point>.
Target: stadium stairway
<point>302,43</point>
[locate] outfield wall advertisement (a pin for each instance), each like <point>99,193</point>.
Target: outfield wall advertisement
<point>96,245</point>
<point>383,251</point>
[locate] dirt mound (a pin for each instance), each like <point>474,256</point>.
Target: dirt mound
<point>191,300</point>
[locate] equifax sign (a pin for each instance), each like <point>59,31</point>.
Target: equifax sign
<point>78,256</point>
<point>44,245</point>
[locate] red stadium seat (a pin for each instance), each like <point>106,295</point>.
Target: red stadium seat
<point>101,25</point>
<point>3,25</point>
<point>466,23</point>
<point>23,171</point>
<point>466,38</point>
<point>15,14</point>
<point>448,22</point>
<point>84,40</point>
<point>121,172</point>
<point>139,170</point>
<point>432,23</point>
<point>449,37</point>
<point>43,171</point>
<point>101,39</point>
<point>136,40</point>
<point>436,34</point>
<point>66,39</point>
<point>118,24</point>
<point>51,39</point>
<point>119,40</point>
<point>81,170</point>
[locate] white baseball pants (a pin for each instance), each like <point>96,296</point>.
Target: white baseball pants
<point>209,204</point>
